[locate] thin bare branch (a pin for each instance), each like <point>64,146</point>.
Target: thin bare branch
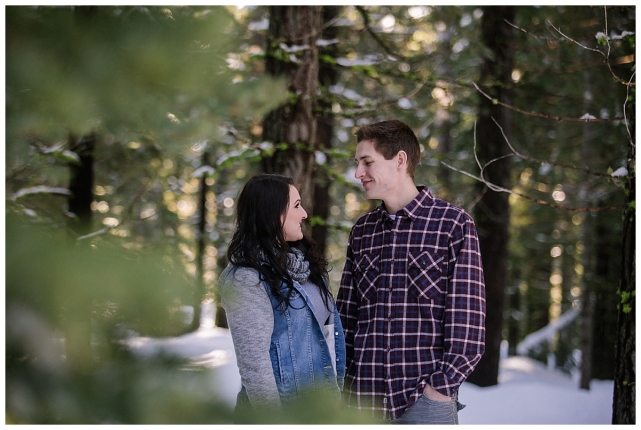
<point>574,41</point>
<point>627,125</point>
<point>526,157</point>
<point>606,56</point>
<point>478,198</point>
<point>96,233</point>
<point>540,115</point>
<point>497,188</point>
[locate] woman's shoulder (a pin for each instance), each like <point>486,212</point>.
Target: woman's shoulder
<point>239,276</point>
<point>239,286</point>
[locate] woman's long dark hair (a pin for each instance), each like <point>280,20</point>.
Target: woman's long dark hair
<point>259,230</point>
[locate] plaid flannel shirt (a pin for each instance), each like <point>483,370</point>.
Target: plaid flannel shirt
<point>412,304</point>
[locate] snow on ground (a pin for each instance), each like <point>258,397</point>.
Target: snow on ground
<point>527,393</point>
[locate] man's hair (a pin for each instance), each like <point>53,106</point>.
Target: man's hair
<point>390,137</point>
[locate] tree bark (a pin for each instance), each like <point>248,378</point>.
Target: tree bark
<point>606,266</point>
<point>221,260</point>
<point>624,373</point>
<point>328,75</point>
<point>294,123</point>
<point>201,234</point>
<point>491,214</point>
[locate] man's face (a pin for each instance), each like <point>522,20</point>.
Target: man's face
<point>378,175</point>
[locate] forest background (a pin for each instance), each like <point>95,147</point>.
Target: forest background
<point>130,130</point>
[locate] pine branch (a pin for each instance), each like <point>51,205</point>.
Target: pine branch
<point>371,32</point>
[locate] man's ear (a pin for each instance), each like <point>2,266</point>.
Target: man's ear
<point>401,161</point>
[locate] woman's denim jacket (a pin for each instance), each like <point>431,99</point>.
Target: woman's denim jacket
<point>299,353</point>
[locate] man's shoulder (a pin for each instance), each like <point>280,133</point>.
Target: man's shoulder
<point>370,217</point>
<point>445,210</point>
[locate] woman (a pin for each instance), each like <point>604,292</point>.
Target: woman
<point>283,320</point>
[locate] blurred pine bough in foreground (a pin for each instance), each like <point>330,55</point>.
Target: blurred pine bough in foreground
<point>56,290</point>
<point>52,284</point>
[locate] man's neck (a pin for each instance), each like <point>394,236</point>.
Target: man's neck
<point>401,198</point>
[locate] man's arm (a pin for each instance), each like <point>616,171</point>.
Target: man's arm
<point>464,322</point>
<point>347,303</point>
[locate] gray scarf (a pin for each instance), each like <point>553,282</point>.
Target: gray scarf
<point>297,266</point>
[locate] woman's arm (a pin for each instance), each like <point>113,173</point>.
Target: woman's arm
<point>251,321</point>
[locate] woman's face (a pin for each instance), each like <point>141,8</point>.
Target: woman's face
<point>293,218</point>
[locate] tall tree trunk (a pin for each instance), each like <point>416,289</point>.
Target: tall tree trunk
<point>201,234</point>
<point>587,310</point>
<point>292,53</point>
<point>328,75</point>
<point>77,313</point>
<point>444,124</point>
<point>587,259</point>
<point>221,260</point>
<point>624,372</point>
<point>491,214</point>
<point>606,267</point>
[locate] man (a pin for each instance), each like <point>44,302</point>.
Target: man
<point>412,293</point>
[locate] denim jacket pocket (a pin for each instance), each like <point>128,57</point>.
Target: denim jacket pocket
<point>283,371</point>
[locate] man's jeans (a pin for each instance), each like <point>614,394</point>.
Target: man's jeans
<point>426,411</point>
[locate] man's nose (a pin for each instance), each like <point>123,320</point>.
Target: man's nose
<point>359,172</point>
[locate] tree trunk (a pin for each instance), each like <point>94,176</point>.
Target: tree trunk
<point>221,260</point>
<point>491,214</point>
<point>77,313</point>
<point>606,267</point>
<point>624,373</point>
<point>444,124</point>
<point>293,124</point>
<point>328,75</point>
<point>201,234</point>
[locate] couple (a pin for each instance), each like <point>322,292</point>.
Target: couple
<point>408,325</point>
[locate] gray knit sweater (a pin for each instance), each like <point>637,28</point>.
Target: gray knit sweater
<point>250,318</point>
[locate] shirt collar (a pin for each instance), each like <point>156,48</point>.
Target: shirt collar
<point>413,208</point>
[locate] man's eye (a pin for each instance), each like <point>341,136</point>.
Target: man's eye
<point>368,163</point>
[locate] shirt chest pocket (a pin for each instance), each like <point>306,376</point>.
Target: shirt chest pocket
<point>425,278</point>
<point>367,273</point>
